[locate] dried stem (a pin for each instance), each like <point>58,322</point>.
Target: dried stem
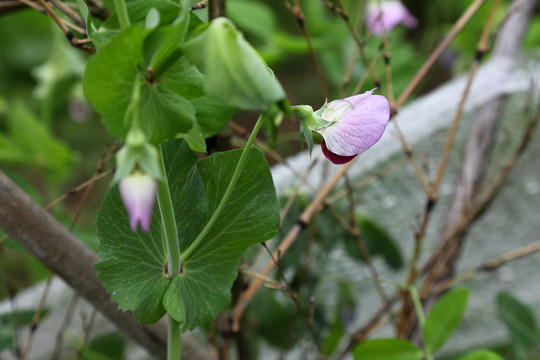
<point>289,290</point>
<point>460,23</point>
<point>296,11</point>
<point>287,241</point>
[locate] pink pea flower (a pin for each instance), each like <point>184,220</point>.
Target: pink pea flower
<point>383,16</point>
<point>138,192</point>
<point>357,123</point>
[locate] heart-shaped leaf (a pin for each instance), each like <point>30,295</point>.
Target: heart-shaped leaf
<point>133,264</point>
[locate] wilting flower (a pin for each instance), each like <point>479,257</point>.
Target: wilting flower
<point>356,124</point>
<point>138,192</point>
<point>383,16</point>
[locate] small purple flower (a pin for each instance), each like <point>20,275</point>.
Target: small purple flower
<point>138,192</point>
<point>383,16</point>
<point>357,123</point>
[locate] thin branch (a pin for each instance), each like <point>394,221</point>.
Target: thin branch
<point>69,13</point>
<point>289,290</point>
<point>44,8</point>
<point>357,236</point>
<point>296,11</point>
<point>287,241</point>
<point>460,23</point>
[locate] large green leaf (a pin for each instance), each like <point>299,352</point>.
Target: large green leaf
<point>109,83</point>
<point>110,75</point>
<point>132,264</point>
<point>250,216</point>
<point>387,349</point>
<point>163,113</point>
<point>444,318</point>
<point>184,79</point>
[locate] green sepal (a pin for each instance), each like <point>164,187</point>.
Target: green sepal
<point>195,138</point>
<point>309,122</point>
<point>235,73</point>
<point>145,157</point>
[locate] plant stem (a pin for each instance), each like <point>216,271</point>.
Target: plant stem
<point>239,167</point>
<point>169,224</point>
<point>174,345</point>
<point>420,315</point>
<point>122,13</point>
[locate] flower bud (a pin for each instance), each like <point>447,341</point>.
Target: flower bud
<point>356,124</point>
<point>235,74</point>
<point>138,192</point>
<point>383,16</point>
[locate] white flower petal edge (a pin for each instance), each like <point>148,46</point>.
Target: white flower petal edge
<point>358,128</point>
<point>138,192</point>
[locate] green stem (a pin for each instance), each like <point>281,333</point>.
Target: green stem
<point>174,343</point>
<point>239,167</point>
<point>169,224</point>
<point>122,13</point>
<point>420,315</point>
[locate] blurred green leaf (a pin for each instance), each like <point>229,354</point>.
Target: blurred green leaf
<point>387,349</point>
<point>15,320</point>
<point>253,18</point>
<point>378,242</point>
<point>334,335</point>
<point>29,142</point>
<point>112,345</point>
<point>481,355</point>
<point>275,320</point>
<point>444,318</point>
<point>57,77</point>
<point>520,322</point>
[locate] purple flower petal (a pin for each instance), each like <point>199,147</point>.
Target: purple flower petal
<point>336,159</point>
<point>138,192</point>
<point>358,128</point>
<point>384,16</point>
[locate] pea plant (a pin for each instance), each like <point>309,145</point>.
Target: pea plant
<point>163,82</point>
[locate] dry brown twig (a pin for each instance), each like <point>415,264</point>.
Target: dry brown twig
<point>296,11</point>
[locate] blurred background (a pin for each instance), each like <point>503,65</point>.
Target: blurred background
<point>51,141</point>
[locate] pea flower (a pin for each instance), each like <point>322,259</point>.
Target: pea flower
<point>356,123</point>
<point>383,16</point>
<point>138,192</point>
